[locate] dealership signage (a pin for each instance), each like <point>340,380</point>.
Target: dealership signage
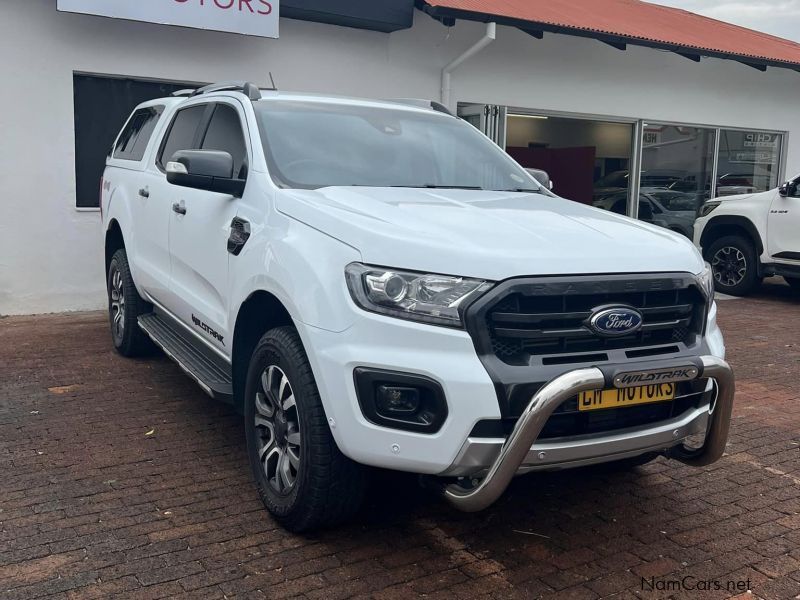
<point>249,17</point>
<point>761,140</point>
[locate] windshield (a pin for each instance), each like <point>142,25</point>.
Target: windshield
<point>316,144</point>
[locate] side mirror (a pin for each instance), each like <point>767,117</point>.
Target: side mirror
<point>785,189</point>
<point>542,177</point>
<point>209,170</point>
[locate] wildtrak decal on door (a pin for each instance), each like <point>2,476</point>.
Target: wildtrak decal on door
<point>198,323</point>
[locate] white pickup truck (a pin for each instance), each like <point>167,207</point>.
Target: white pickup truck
<point>751,236</point>
<point>375,283</point>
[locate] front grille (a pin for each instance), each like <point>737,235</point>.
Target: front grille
<point>550,320</point>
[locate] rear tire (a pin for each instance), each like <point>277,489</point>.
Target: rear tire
<point>735,265</point>
<point>124,308</point>
<point>302,477</point>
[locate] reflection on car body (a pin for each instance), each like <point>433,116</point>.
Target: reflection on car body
<point>669,209</point>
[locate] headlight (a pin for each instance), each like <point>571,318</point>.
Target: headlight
<point>706,281</point>
<point>708,207</point>
<point>415,296</point>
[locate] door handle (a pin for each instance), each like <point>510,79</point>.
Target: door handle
<point>179,207</point>
<point>144,192</point>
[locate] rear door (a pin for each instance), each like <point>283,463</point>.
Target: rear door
<point>154,207</point>
<point>148,248</point>
<point>199,233</point>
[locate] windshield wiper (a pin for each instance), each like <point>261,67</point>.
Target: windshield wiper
<point>428,186</point>
<point>523,190</point>
<point>433,186</point>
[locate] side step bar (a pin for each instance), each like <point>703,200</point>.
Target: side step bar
<point>212,376</point>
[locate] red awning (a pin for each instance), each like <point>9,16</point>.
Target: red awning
<point>629,21</point>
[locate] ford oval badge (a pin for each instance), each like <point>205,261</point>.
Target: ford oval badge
<point>616,320</point>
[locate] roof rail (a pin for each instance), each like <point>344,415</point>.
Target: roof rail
<point>186,92</point>
<point>248,89</point>
<point>421,103</point>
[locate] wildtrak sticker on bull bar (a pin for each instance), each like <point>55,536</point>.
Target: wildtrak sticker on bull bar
<point>670,375</point>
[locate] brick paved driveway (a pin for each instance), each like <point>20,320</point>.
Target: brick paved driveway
<point>121,477</point>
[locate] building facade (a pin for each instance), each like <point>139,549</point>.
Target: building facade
<point>609,122</point>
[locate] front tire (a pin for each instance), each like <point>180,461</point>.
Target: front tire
<point>735,265</point>
<point>124,308</point>
<point>302,477</point>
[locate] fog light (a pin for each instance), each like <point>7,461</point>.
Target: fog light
<point>405,401</point>
<point>397,400</point>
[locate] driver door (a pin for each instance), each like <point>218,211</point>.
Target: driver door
<point>783,224</point>
<point>200,225</point>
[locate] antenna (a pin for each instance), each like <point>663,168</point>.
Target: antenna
<point>272,87</point>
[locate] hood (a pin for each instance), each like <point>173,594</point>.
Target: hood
<point>766,196</point>
<point>488,235</point>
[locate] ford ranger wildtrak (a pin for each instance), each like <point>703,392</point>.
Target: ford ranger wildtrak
<point>375,283</point>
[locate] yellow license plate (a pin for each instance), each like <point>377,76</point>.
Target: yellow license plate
<point>617,398</point>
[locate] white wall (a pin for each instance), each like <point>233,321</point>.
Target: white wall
<point>51,254</point>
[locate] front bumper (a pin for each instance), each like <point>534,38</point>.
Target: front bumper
<point>478,454</point>
<point>445,355</point>
<point>520,444</point>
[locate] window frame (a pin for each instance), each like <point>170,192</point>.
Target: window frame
<point>202,129</point>
<point>202,125</point>
<point>246,159</point>
<point>113,154</point>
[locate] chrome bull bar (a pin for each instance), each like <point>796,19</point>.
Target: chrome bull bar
<point>562,388</point>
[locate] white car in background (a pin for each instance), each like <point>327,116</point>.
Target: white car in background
<point>751,236</point>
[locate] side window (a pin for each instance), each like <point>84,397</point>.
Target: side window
<point>182,132</point>
<point>225,133</point>
<point>133,140</point>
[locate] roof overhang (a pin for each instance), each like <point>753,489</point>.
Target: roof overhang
<point>448,12</point>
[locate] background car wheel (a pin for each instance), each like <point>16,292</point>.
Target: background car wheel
<point>794,282</point>
<point>302,477</point>
<point>735,265</point>
<point>124,307</point>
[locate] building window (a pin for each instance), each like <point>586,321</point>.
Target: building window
<point>587,160</point>
<point>102,107</point>
<point>748,161</point>
<point>676,176</point>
